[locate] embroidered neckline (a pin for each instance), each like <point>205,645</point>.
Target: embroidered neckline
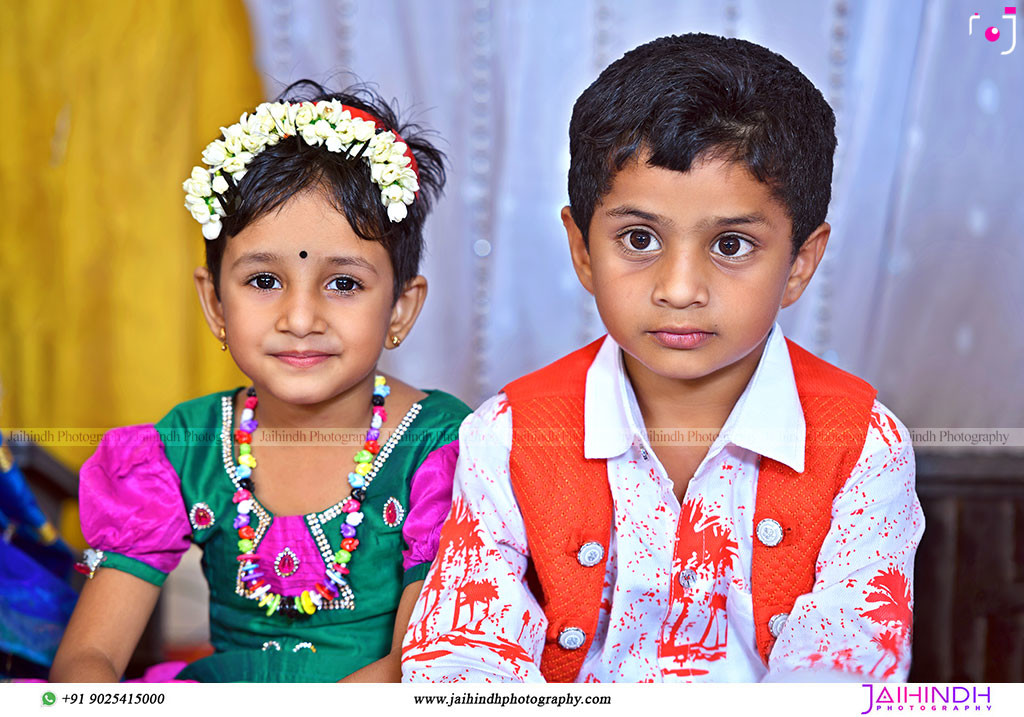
<point>315,520</point>
<point>227,443</point>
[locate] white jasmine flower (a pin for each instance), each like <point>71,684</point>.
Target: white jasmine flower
<point>362,129</point>
<point>220,185</point>
<point>390,174</point>
<point>305,114</point>
<point>392,193</point>
<point>334,143</point>
<point>214,154</point>
<point>346,133</point>
<point>397,211</point>
<point>238,162</point>
<point>408,179</point>
<point>233,145</point>
<point>309,134</point>
<point>199,211</point>
<point>235,131</point>
<point>211,229</point>
<point>323,129</point>
<point>283,119</point>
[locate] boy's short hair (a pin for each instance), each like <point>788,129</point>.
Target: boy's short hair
<point>292,166</point>
<point>684,98</point>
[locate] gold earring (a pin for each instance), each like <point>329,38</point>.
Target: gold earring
<point>223,336</point>
<point>395,341</point>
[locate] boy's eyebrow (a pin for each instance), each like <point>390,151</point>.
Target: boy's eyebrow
<point>722,222</point>
<point>709,223</point>
<point>266,257</point>
<point>629,211</point>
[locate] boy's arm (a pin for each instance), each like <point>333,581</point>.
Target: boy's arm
<point>475,620</point>
<point>856,622</point>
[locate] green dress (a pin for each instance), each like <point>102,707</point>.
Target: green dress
<point>349,632</point>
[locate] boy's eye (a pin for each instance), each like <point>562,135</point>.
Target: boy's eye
<point>641,241</point>
<point>733,246</point>
<point>344,283</point>
<point>265,282</point>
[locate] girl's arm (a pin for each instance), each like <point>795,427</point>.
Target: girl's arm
<point>105,627</point>
<point>389,667</point>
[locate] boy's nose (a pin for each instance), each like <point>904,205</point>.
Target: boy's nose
<point>301,313</point>
<point>681,280</point>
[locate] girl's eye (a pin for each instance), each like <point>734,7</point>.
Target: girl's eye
<point>265,282</point>
<point>732,246</point>
<point>641,241</point>
<point>345,284</point>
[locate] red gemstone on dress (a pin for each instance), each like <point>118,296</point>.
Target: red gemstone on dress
<point>247,533</point>
<point>203,518</point>
<point>286,564</point>
<point>349,544</point>
<point>391,513</point>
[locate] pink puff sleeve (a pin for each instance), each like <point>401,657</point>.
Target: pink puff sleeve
<point>131,506</point>
<point>430,500</point>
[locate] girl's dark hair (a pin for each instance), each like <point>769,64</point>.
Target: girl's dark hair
<point>682,98</point>
<point>292,166</point>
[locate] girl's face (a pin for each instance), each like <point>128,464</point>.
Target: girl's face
<point>307,304</point>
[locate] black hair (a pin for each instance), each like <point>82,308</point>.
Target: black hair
<point>292,166</point>
<point>686,98</point>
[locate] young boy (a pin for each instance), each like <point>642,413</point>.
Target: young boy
<point>770,532</point>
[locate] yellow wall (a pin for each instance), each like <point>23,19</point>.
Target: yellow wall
<point>105,108</point>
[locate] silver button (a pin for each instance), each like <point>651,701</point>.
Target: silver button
<point>776,622</point>
<point>590,554</point>
<point>769,532</point>
<point>571,638</point>
<point>687,578</point>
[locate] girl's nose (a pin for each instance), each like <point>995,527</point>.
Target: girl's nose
<point>681,279</point>
<point>301,312</point>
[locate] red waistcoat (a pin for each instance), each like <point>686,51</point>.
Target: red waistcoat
<point>566,501</point>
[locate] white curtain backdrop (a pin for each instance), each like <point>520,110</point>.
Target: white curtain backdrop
<point>921,291</point>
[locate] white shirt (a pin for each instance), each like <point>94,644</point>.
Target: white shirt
<point>477,621</point>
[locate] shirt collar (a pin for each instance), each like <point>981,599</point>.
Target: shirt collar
<point>767,418</point>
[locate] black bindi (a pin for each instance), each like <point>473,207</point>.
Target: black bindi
<point>303,254</point>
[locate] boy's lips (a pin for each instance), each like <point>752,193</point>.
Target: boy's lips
<point>684,338</point>
<point>302,359</point>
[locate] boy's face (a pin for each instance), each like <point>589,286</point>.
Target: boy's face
<point>689,270</point>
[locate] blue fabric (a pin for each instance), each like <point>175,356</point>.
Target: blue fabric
<point>34,607</point>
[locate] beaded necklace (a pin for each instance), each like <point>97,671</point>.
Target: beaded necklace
<point>250,572</point>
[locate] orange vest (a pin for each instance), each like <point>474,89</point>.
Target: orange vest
<point>567,510</point>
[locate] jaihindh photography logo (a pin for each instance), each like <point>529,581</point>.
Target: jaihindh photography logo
<point>948,698</point>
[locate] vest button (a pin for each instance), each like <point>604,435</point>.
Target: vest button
<point>590,554</point>
<point>687,578</point>
<point>571,638</point>
<point>776,622</point>
<point>769,532</point>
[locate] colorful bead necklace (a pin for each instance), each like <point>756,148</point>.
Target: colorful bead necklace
<point>250,573</point>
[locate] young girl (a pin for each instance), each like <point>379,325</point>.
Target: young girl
<point>299,487</point>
